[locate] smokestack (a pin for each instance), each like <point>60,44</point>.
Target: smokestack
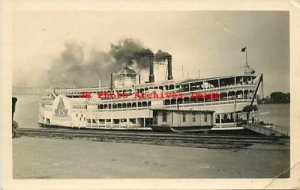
<point>151,74</point>
<point>111,81</point>
<point>170,76</point>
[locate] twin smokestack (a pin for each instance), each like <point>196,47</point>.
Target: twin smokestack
<point>151,69</point>
<point>170,76</point>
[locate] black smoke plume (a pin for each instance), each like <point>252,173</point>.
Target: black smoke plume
<point>72,68</point>
<point>161,56</point>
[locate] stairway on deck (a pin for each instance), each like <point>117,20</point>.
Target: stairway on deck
<point>261,129</point>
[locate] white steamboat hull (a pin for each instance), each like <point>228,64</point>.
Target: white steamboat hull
<point>132,118</point>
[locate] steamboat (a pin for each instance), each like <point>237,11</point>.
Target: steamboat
<point>218,103</point>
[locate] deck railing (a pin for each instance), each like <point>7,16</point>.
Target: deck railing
<point>77,92</point>
<point>266,130</point>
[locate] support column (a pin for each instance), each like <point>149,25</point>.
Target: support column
<point>220,120</point>
<point>91,119</point>
<point>233,115</point>
<point>111,119</point>
<point>127,119</point>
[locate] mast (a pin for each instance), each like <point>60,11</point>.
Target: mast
<point>99,84</point>
<point>247,67</point>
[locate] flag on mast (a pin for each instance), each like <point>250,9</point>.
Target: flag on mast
<point>244,49</point>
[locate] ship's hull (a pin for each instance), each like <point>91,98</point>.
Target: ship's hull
<point>181,128</point>
<point>166,129</point>
<point>95,128</point>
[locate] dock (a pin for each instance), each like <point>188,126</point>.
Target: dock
<point>262,129</point>
<point>154,138</point>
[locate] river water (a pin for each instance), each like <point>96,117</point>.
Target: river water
<point>27,111</point>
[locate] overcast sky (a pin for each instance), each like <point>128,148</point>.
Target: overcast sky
<point>205,42</point>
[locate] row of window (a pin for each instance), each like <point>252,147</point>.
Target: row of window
<point>228,117</point>
<point>125,105</point>
<point>79,106</point>
<point>186,100</point>
<point>165,117</point>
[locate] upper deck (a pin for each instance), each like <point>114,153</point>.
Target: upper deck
<point>186,85</point>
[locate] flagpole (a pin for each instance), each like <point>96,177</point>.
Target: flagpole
<point>247,66</point>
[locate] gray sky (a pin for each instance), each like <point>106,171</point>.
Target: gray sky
<point>209,42</point>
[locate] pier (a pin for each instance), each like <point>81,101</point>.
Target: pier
<point>154,138</point>
<point>262,129</point>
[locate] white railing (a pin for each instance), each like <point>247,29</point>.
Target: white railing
<point>223,88</point>
<point>77,92</point>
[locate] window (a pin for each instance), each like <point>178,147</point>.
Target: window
<point>194,117</point>
<point>183,117</point>
<point>164,118</point>
<point>205,117</point>
<point>186,87</point>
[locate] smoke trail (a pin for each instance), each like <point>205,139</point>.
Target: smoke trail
<point>161,56</point>
<point>72,70</point>
<point>128,50</point>
<point>66,67</point>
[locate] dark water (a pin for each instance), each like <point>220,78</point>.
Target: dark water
<point>27,112</point>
